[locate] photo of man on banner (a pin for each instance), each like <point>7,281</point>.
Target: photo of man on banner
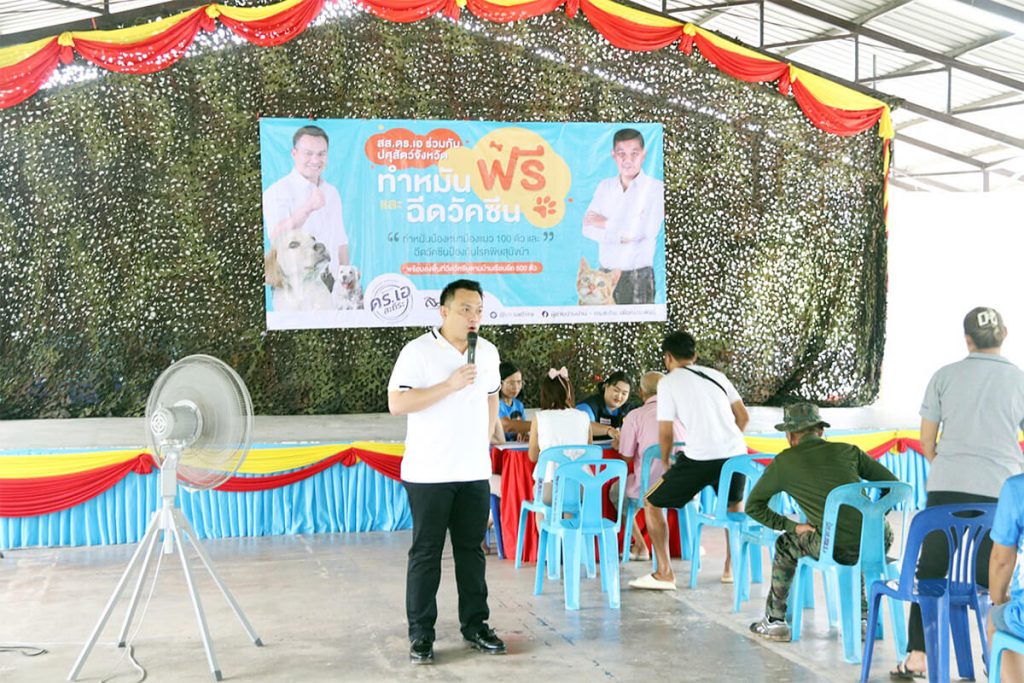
<point>308,262</point>
<point>624,217</point>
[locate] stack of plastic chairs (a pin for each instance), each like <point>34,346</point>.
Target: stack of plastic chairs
<point>1001,642</point>
<point>944,602</point>
<point>871,562</point>
<point>685,514</point>
<point>557,455</point>
<point>581,485</point>
<point>735,522</point>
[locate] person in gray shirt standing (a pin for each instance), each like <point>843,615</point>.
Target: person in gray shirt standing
<point>979,403</point>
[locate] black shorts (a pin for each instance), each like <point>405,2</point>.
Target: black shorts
<point>686,478</point>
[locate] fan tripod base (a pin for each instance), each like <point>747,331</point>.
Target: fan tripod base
<point>175,528</point>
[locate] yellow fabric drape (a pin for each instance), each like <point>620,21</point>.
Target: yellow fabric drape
<point>735,48</point>
<point>134,34</point>
<point>634,15</point>
<point>776,444</point>
<point>841,97</point>
<point>250,13</point>
<point>274,459</point>
<point>33,466</point>
<point>9,56</point>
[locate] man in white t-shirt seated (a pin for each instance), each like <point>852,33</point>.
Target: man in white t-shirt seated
<point>713,415</point>
<point>303,200</point>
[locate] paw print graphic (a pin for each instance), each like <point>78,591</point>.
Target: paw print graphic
<point>545,206</point>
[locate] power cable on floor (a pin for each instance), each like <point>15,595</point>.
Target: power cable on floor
<point>129,645</point>
<point>25,650</point>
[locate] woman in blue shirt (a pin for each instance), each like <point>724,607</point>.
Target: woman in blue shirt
<point>608,406</point>
<point>511,413</point>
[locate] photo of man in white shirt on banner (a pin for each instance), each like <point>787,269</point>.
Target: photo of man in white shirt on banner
<point>624,218</point>
<point>303,200</point>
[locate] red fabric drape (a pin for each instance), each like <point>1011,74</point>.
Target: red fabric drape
<point>277,29</point>
<point>274,481</point>
<point>741,66</point>
<point>42,495</point>
<point>150,55</point>
<point>832,120</point>
<point>405,11</point>
<point>388,465</point>
<point>502,14</point>
<point>20,81</point>
<point>627,35</point>
<point>883,448</point>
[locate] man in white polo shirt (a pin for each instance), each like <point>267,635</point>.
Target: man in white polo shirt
<point>624,218</point>
<point>452,404</point>
<point>714,417</point>
<point>304,200</point>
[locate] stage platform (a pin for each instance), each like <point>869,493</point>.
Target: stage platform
<point>330,607</point>
<point>115,432</point>
<point>91,481</point>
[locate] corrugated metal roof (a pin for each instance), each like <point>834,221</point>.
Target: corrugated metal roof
<point>927,144</point>
<point>932,148</point>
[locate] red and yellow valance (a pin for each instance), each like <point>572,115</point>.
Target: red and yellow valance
<point>33,485</point>
<point>39,484</point>
<point>158,44</point>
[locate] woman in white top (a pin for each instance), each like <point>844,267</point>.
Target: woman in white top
<point>557,423</point>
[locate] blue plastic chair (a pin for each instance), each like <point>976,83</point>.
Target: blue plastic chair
<point>752,539</point>
<point>871,562</point>
<point>685,514</point>
<point>734,522</point>
<point>1001,642</point>
<point>581,485</point>
<point>944,602</point>
<point>496,519</point>
<point>557,455</point>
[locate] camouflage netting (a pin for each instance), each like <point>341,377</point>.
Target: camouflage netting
<point>130,220</point>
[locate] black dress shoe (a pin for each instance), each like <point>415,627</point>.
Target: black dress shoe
<point>487,642</point>
<point>421,651</point>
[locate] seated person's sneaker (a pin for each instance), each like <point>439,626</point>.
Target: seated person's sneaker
<point>772,630</point>
<point>421,651</point>
<point>486,641</point>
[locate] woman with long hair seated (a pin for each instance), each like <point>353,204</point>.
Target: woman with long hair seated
<point>557,423</point>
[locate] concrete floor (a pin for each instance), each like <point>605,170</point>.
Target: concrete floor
<point>331,607</point>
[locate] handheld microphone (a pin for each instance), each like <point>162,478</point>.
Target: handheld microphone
<point>471,351</point>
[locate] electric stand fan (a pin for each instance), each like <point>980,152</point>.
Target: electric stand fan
<point>199,424</point>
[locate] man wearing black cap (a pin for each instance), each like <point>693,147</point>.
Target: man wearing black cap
<point>808,471</point>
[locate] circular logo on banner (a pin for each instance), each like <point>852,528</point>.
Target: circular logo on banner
<point>389,298</point>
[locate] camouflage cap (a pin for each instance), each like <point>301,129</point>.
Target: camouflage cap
<point>800,416</point>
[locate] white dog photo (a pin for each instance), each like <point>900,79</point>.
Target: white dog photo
<point>348,292</point>
<point>295,269</point>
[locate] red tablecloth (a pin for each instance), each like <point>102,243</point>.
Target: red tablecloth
<point>516,470</point>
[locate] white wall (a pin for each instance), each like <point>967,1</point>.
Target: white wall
<point>948,252</point>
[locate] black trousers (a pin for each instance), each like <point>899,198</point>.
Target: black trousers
<point>459,508</point>
<point>934,559</point>
<point>635,286</point>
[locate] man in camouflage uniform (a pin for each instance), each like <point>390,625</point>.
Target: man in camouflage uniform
<point>808,471</point>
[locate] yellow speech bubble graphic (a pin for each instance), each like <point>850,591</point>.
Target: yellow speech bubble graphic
<point>518,168</point>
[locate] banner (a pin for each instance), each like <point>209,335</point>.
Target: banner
<point>365,221</point>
